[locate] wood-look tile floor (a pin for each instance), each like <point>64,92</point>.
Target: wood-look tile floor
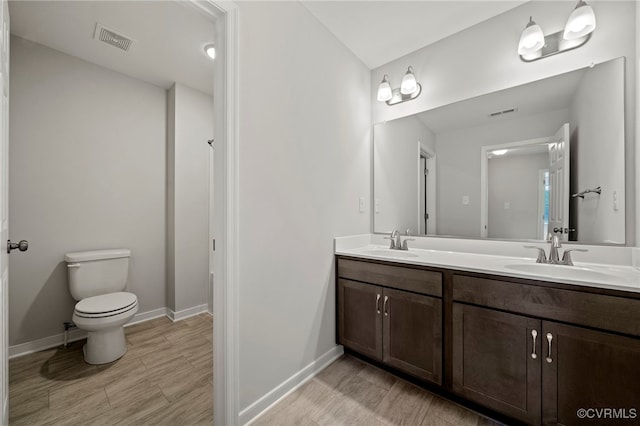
<point>165,378</point>
<point>351,392</point>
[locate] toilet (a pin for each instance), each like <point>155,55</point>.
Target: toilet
<point>97,280</point>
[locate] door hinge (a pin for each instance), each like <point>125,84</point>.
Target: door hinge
<point>426,215</point>
<point>426,172</point>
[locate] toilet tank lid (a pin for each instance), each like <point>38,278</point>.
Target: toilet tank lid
<point>85,256</point>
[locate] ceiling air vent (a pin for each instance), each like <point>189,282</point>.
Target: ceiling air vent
<point>505,111</point>
<point>111,37</point>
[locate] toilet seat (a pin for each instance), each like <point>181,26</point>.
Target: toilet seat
<point>106,305</point>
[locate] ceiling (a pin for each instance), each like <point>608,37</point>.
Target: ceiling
<point>169,37</point>
<point>549,94</point>
<point>378,32</point>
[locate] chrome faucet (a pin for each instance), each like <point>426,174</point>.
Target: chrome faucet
<point>553,251</point>
<point>396,241</point>
<point>554,258</point>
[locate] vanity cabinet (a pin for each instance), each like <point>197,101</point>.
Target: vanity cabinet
<point>534,352</point>
<point>539,371</point>
<point>400,328</point>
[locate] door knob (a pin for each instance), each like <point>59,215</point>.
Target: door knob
<point>23,245</point>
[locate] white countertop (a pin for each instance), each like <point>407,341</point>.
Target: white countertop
<point>600,275</point>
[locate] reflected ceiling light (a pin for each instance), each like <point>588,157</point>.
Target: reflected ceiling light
<point>210,50</point>
<point>500,151</point>
<point>532,38</point>
<point>581,22</point>
<point>409,84</point>
<point>535,45</point>
<point>409,89</point>
<point>384,89</point>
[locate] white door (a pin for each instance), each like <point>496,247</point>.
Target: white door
<point>559,184</point>
<point>4,208</point>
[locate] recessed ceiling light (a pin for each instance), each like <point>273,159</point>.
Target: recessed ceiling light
<point>210,50</point>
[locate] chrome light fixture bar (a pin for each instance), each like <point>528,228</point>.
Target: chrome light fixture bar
<point>535,45</point>
<point>409,89</point>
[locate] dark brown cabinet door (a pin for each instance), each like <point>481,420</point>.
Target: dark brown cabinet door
<point>360,317</point>
<point>412,334</point>
<point>495,362</point>
<point>589,377</point>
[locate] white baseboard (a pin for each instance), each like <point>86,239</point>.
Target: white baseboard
<point>149,315</point>
<point>22,349</point>
<point>186,313</point>
<point>281,391</point>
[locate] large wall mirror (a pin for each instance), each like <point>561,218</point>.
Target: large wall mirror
<point>544,157</point>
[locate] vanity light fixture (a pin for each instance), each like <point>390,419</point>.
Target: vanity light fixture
<point>409,89</point>
<point>210,50</point>
<point>499,152</point>
<point>535,45</point>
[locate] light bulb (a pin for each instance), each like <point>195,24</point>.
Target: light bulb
<point>581,22</point>
<point>532,39</point>
<point>384,90</point>
<point>409,84</point>
<point>210,50</point>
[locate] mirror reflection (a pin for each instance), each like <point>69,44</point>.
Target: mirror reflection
<point>545,157</point>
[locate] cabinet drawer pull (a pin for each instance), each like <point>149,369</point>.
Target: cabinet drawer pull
<point>386,306</point>
<point>534,334</point>
<point>549,339</point>
<point>378,304</point>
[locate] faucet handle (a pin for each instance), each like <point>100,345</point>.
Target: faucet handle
<point>566,256</point>
<point>392,237</point>
<point>542,256</point>
<point>407,231</point>
<point>404,243</point>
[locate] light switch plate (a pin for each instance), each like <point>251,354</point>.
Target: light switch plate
<point>361,204</point>
<point>465,200</point>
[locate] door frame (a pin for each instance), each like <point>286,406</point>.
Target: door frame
<point>484,176</point>
<point>226,396</point>
<point>431,188</point>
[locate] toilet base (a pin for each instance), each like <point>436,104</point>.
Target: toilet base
<point>104,346</point>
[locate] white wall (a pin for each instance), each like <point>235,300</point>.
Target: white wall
<point>596,110</point>
<point>397,175</point>
<point>483,59</point>
<point>87,155</point>
<point>305,159</point>
<point>459,169</point>
<point>514,180</point>
<point>190,126</point>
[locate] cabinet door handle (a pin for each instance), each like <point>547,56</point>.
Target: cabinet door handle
<point>386,306</point>
<point>549,339</point>
<point>534,334</point>
<point>378,304</point>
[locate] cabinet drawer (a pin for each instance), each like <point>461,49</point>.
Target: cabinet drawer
<point>399,277</point>
<point>593,310</point>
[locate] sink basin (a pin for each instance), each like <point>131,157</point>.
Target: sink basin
<point>567,272</point>
<point>390,253</point>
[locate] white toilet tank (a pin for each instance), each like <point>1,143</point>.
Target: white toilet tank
<point>92,273</point>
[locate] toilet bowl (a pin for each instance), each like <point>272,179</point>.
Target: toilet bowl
<point>97,280</point>
<point>103,317</point>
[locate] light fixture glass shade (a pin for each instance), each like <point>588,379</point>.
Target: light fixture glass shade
<point>210,50</point>
<point>581,22</point>
<point>532,39</point>
<point>500,151</point>
<point>409,84</point>
<point>384,90</point>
